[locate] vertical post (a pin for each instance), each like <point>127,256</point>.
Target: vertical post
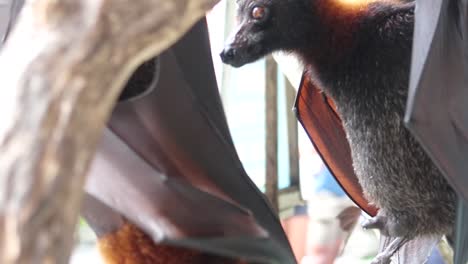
<point>271,142</point>
<point>292,134</point>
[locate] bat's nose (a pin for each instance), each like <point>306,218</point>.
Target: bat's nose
<point>228,54</point>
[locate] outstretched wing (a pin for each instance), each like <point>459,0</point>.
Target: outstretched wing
<point>167,165</point>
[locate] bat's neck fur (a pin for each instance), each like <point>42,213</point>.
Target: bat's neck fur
<point>360,56</point>
<point>331,31</point>
<point>346,36</point>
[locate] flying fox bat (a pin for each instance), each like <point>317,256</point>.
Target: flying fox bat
<point>166,185</point>
<point>358,53</point>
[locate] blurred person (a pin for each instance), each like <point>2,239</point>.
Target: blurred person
<point>325,200</point>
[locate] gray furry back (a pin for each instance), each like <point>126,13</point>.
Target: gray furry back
<point>370,89</point>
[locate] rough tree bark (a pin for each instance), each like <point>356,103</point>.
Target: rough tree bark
<point>61,71</point>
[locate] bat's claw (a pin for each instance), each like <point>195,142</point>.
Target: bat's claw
<point>382,259</point>
<point>377,222</point>
<point>390,229</point>
<point>387,226</point>
<point>385,256</point>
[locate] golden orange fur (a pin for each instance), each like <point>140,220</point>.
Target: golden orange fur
<point>347,9</point>
<point>359,4</point>
<point>129,245</point>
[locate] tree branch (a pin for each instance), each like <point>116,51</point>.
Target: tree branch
<point>61,72</point>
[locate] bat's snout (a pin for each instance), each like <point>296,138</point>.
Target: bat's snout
<point>231,55</point>
<point>242,47</point>
<point>228,54</point>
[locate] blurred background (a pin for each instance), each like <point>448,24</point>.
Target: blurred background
<point>308,198</point>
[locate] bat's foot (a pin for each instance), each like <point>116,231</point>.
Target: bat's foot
<point>377,222</point>
<point>392,230</point>
<point>387,226</point>
<point>382,259</point>
<point>385,257</point>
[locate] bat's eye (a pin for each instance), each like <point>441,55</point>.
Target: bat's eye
<point>258,12</point>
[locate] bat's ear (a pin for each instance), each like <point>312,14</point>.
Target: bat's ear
<point>143,80</point>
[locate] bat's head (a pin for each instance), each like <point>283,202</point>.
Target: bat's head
<point>264,26</point>
<point>306,27</point>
